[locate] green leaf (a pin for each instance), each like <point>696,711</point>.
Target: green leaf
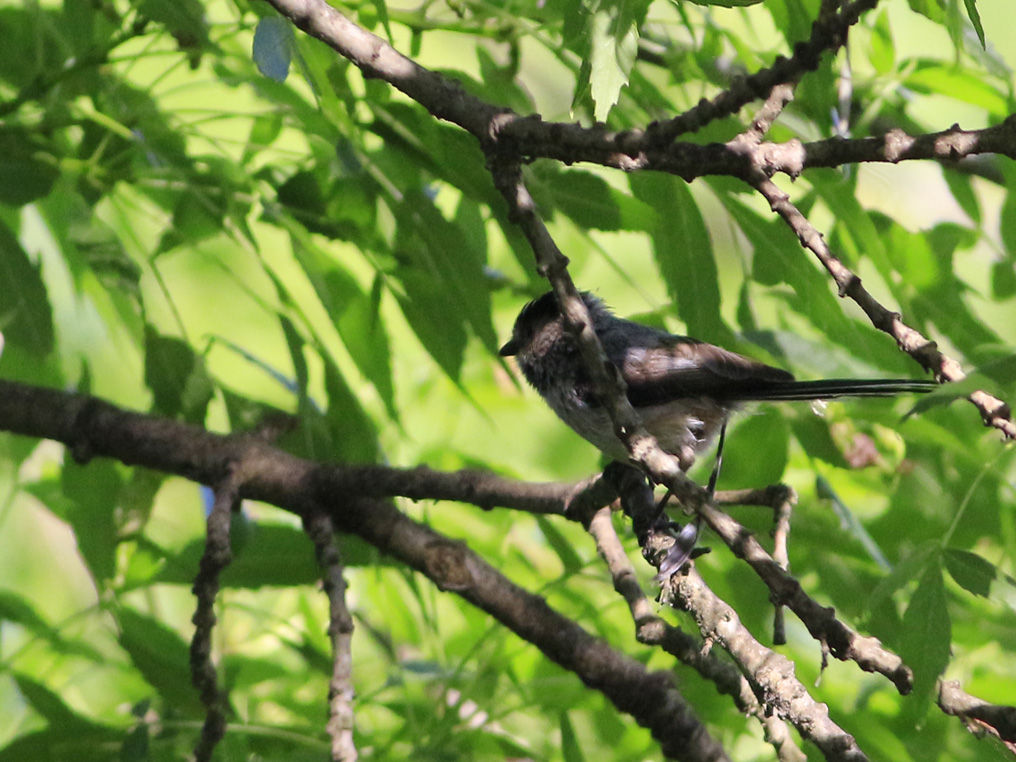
<point>184,19</point>
<point>570,749</point>
<point>440,329</point>
<point>381,8</point>
<point>445,286</point>
<point>902,572</point>
<point>264,130</point>
<point>850,522</point>
<point>684,253</point>
<point>613,47</point>
<point>944,301</point>
<point>272,555</point>
<point>854,223</point>
<point>25,173</point>
<point>726,3</point>
<point>14,608</point>
<point>161,656</point>
<point>136,746</point>
<point>196,217</point>
<point>295,344</point>
<point>414,141</point>
<point>926,638</point>
<point>812,432</point>
<point>777,258</point>
<point>971,572</point>
<point>882,52</point>
<point>975,19</point>
<point>303,195</point>
<point>58,743</point>
<point>93,492</point>
<point>961,187</point>
<point>354,437</point>
<point>756,450</point>
<point>49,704</point>
<point>1003,279</point>
<point>932,9</point>
<point>26,317</point>
<point>356,316</point>
<point>1007,223</point>
<point>178,379</point>
<point>273,47</point>
<point>591,202</point>
<point>571,560</point>
<point>934,78</point>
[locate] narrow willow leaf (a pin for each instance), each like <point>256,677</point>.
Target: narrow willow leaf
<point>927,637</point>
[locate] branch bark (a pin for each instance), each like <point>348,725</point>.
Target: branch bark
<point>93,428</point>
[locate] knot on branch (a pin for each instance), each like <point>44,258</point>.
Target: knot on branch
<point>447,563</point>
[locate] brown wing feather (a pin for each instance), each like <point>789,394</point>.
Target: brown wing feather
<point>670,367</point>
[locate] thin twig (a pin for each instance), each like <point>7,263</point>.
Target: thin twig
<point>340,632</point>
<point>994,412</point>
<point>980,716</point>
<point>828,33</point>
<point>216,557</point>
<point>781,534</point>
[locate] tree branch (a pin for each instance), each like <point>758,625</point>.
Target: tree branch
<point>93,428</point>
<point>771,674</point>
<point>979,716</point>
<point>340,632</point>
<point>217,555</point>
<point>651,629</point>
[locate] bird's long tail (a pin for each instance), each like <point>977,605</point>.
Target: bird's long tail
<point>835,387</point>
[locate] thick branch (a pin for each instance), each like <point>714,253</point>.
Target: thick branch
<point>771,674</point>
<point>92,428</point>
<point>513,137</point>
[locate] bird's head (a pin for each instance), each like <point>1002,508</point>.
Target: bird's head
<point>539,325</point>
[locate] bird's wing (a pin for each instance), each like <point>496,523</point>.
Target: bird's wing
<point>661,367</point>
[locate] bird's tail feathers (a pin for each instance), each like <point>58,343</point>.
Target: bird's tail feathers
<point>837,387</point>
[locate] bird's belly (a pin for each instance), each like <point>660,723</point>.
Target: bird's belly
<point>683,428</point>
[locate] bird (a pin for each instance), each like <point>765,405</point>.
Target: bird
<point>683,389</point>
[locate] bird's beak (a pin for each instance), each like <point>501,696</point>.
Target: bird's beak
<point>510,349</point>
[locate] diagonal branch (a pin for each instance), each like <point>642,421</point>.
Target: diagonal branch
<point>93,428</point>
<point>979,716</point>
<point>770,673</point>
<point>994,412</point>
<point>514,137</point>
<point>651,629</point>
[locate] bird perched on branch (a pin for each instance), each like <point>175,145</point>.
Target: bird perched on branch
<point>683,389</point>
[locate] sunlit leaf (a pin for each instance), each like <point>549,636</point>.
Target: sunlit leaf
<point>684,253</point>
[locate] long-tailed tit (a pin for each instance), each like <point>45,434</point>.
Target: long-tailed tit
<point>683,389</point>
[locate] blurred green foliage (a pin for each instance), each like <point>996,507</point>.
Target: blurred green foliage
<point>209,217</point>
